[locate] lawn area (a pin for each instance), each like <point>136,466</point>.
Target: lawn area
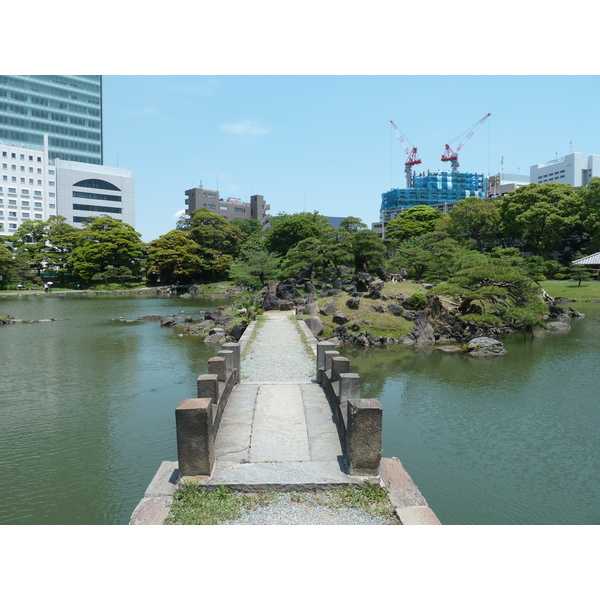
<point>589,290</point>
<point>379,323</point>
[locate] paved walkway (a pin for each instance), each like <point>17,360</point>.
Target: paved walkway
<point>277,430</point>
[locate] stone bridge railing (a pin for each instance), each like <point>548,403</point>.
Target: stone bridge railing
<point>197,420</point>
<point>359,420</point>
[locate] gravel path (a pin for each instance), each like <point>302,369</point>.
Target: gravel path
<point>307,512</point>
<point>278,354</point>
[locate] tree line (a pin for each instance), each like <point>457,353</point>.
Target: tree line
<point>538,229</point>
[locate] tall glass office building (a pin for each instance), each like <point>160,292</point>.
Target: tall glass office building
<point>68,108</point>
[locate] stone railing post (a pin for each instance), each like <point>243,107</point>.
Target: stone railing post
<point>195,440</point>
<point>363,436</point>
<point>217,365</point>
<point>236,349</point>
<point>322,347</point>
<point>349,387</point>
<point>339,365</point>
<point>208,386</point>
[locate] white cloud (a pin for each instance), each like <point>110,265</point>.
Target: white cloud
<point>179,213</point>
<point>244,127</point>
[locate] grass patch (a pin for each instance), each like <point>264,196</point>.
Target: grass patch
<point>381,323</point>
<point>193,505</point>
<point>589,290</point>
<point>371,499</point>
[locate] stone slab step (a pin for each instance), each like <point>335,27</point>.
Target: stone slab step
<point>281,477</point>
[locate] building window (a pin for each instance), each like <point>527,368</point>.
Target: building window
<point>37,216</point>
<point>98,184</point>
<point>102,209</point>
<point>37,204</point>
<point>90,196</point>
<point>223,207</point>
<point>51,205</point>
<point>25,215</point>
<point>211,206</point>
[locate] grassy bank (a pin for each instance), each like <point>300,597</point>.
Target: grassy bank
<point>588,290</point>
<point>366,315</point>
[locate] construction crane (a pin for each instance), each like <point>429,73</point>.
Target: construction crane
<point>412,158</point>
<point>452,155</point>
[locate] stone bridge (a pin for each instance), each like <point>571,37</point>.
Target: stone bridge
<point>293,423</point>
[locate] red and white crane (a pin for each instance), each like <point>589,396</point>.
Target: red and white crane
<point>452,155</point>
<point>411,154</point>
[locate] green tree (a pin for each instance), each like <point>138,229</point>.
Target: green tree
<point>413,222</point>
<point>174,258</point>
<point>248,227</point>
<point>61,239</point>
<point>219,242</point>
<point>476,219</point>
<point>106,242</point>
<point>546,217</point>
<point>432,256</point>
<point>499,290</point>
<point>288,230</point>
<point>352,224</point>
<point>29,242</point>
<point>6,264</point>
<point>367,248</point>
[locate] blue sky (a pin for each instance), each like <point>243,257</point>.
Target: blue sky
<point>325,142</point>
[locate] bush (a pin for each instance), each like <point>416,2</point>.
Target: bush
<point>559,276</point>
<point>418,300</point>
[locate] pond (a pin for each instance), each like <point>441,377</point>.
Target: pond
<point>87,414</point>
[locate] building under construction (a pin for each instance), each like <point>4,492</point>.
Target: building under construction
<point>441,190</point>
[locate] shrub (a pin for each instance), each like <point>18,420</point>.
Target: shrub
<point>418,300</point>
<point>559,276</point>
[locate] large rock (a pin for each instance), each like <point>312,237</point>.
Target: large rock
<point>167,321</point>
<point>286,305</point>
<point>376,284</point>
<point>485,346</point>
<point>340,318</point>
<point>395,309</point>
<point>270,301</point>
<point>328,309</point>
<point>314,324</point>
<point>353,302</point>
<point>312,309</point>
<point>422,331</point>
<point>150,318</point>
<point>559,326</point>
<point>213,315</point>
<point>215,336</point>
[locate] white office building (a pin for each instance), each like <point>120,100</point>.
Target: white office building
<point>27,186</point>
<point>33,188</point>
<point>574,169</point>
<point>85,191</point>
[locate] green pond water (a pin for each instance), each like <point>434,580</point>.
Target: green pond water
<point>87,414</point>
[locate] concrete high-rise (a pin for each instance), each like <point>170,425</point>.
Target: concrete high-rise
<point>67,108</point>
